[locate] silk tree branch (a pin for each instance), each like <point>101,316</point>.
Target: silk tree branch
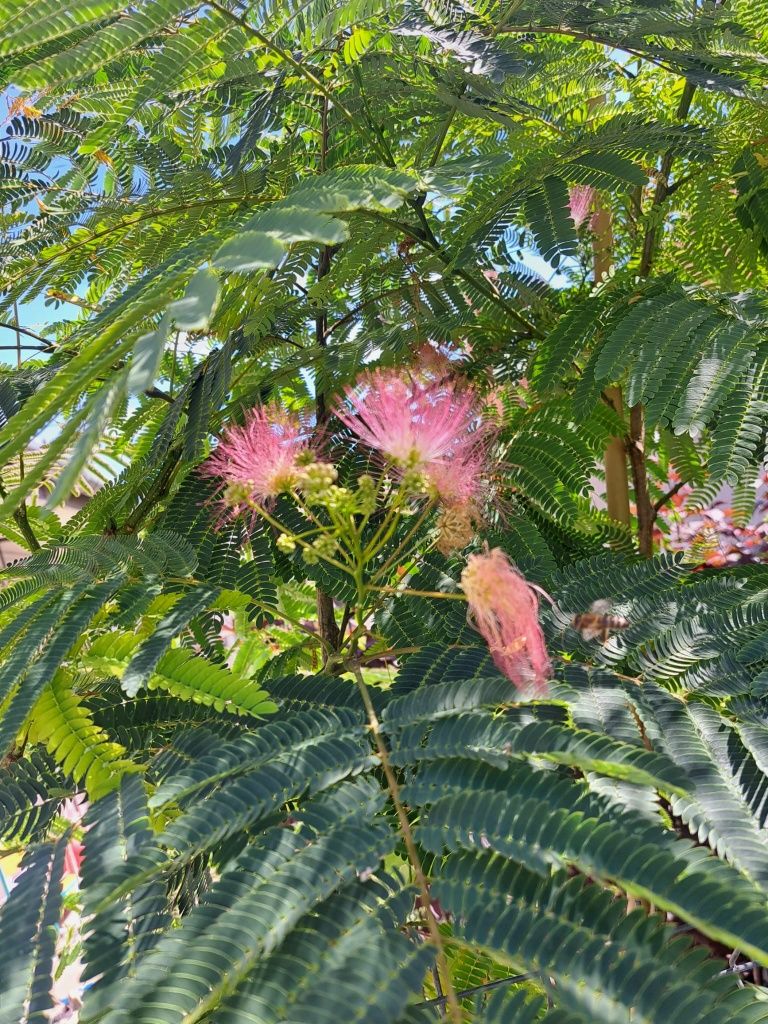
<point>48,346</point>
<point>645,510</point>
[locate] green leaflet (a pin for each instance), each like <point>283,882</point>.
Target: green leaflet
<point>60,722</point>
<point>27,933</point>
<point>178,670</point>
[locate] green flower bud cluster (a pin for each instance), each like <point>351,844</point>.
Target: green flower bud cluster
<point>322,547</point>
<point>414,483</point>
<point>316,480</point>
<point>237,494</point>
<point>366,495</point>
<point>340,500</point>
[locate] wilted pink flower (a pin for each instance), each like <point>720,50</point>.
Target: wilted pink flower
<point>581,199</point>
<point>260,459</point>
<point>504,608</point>
<point>433,427</point>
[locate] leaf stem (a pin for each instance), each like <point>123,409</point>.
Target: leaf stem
<point>284,55</point>
<point>403,547</point>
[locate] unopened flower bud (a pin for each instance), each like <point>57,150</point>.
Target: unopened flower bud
<point>319,474</point>
<point>366,494</point>
<point>236,494</point>
<point>305,458</point>
<point>316,479</point>
<point>322,547</point>
<point>286,544</point>
<point>415,483</point>
<point>339,499</point>
<point>325,546</point>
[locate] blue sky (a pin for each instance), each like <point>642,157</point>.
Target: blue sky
<point>35,316</point>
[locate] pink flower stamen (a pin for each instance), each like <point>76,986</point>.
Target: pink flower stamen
<point>431,426</point>
<point>260,459</point>
<point>581,199</point>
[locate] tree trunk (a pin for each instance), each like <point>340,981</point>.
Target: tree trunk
<point>615,457</point>
<point>646,513</point>
<point>615,464</point>
<point>646,510</point>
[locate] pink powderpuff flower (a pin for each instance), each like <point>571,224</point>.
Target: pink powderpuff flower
<point>581,200</point>
<point>73,810</point>
<point>504,608</point>
<point>430,426</point>
<point>260,459</point>
<point>73,858</point>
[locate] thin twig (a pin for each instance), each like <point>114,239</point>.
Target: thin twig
<point>284,55</point>
<point>326,615</point>
<point>21,519</point>
<point>123,225</point>
<point>428,239</point>
<point>451,1000</point>
<point>635,446</point>
<point>739,968</point>
<point>662,187</point>
<point>346,615</point>
<point>48,345</point>
<point>26,348</point>
<point>440,1001</point>
<point>362,305</point>
<point>667,497</point>
<point>409,592</point>
<point>157,490</point>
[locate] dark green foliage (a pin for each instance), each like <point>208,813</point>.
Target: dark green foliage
<point>30,792</point>
<point>540,922</point>
<point>239,203</point>
<point>303,887</point>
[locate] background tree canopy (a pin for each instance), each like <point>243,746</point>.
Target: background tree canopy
<point>238,203</point>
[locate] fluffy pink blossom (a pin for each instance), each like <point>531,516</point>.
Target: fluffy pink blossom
<point>504,608</point>
<point>581,199</point>
<point>260,459</point>
<point>433,427</point>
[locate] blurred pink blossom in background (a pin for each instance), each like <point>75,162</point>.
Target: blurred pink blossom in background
<point>717,534</point>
